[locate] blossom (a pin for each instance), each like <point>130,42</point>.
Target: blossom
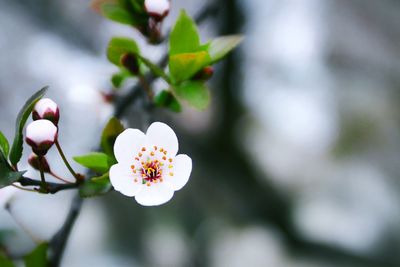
<point>46,109</point>
<point>41,135</point>
<point>148,167</point>
<point>157,8</point>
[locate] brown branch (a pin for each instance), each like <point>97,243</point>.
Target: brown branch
<point>51,188</point>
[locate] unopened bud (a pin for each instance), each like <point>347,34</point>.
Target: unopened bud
<point>41,135</point>
<point>205,74</point>
<point>130,62</point>
<point>39,162</point>
<point>158,9</point>
<point>46,109</point>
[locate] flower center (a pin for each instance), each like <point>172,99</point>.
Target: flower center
<point>151,171</point>
<point>150,165</point>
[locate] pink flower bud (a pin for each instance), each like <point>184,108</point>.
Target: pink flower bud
<point>41,135</point>
<point>39,162</point>
<point>157,9</point>
<point>46,109</point>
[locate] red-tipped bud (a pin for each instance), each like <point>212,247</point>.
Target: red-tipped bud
<point>158,9</point>
<point>41,135</point>
<point>205,74</point>
<point>39,162</point>
<point>46,109</point>
<point>130,62</point>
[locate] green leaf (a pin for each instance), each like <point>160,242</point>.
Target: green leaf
<point>220,47</point>
<point>113,128</point>
<point>4,262</point>
<point>118,78</point>
<point>38,257</point>
<point>117,13</point>
<point>96,161</point>
<point>16,149</point>
<point>184,37</point>
<point>195,93</point>
<point>168,100</point>
<point>154,68</point>
<point>4,145</point>
<point>96,186</point>
<point>183,66</point>
<point>7,175</point>
<point>119,46</point>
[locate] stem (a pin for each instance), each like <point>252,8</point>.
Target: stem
<point>22,226</point>
<point>43,185</point>
<point>146,86</point>
<point>59,178</point>
<point>24,189</point>
<point>52,188</point>
<point>65,160</point>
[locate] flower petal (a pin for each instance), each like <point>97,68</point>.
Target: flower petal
<point>162,135</point>
<point>128,144</point>
<point>182,169</point>
<point>122,180</point>
<point>155,195</point>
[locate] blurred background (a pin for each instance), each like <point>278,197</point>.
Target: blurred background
<point>296,163</point>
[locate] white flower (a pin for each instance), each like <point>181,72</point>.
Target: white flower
<point>148,167</point>
<point>40,135</point>
<point>157,8</point>
<point>46,109</point>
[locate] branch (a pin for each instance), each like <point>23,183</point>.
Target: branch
<point>52,188</point>
<point>59,240</point>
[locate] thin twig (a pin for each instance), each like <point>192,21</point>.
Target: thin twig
<point>52,188</point>
<point>65,160</point>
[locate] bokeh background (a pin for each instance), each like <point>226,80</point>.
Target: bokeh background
<point>296,163</point>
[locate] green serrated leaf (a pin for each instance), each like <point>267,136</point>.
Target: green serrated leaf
<point>110,132</point>
<point>96,161</point>
<point>154,68</point>
<point>168,100</point>
<point>96,186</point>
<point>16,149</point>
<point>195,93</point>
<point>183,66</point>
<point>4,145</point>
<point>115,12</point>
<point>119,46</point>
<point>7,175</point>
<point>38,257</point>
<point>4,262</point>
<point>184,37</point>
<point>220,47</point>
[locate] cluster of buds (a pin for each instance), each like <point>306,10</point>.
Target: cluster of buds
<point>42,132</point>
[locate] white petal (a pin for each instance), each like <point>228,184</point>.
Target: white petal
<point>155,195</point>
<point>128,144</point>
<point>6,194</point>
<point>162,135</point>
<point>41,130</point>
<point>157,6</point>
<point>122,179</point>
<point>44,105</point>
<point>182,169</point>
